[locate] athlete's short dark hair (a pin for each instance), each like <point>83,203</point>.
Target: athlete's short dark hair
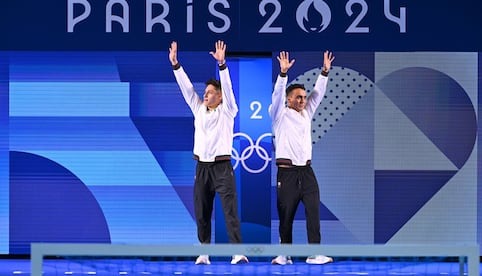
<point>294,86</point>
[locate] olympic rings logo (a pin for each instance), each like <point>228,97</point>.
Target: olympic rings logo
<point>254,250</point>
<point>248,152</point>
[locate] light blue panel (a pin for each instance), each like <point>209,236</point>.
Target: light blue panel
<point>106,168</point>
<point>145,215</point>
<point>343,161</point>
<point>400,145</point>
<point>69,99</point>
<point>74,133</point>
<point>335,232</point>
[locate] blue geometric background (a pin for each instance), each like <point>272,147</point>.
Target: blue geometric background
<point>97,147</point>
<point>394,147</point>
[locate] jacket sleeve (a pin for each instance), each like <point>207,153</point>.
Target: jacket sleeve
<point>187,90</point>
<point>316,96</point>
<point>229,101</point>
<point>278,98</point>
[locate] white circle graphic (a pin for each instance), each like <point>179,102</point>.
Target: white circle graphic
<point>248,152</point>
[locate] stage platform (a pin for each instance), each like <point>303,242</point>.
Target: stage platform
<point>221,266</point>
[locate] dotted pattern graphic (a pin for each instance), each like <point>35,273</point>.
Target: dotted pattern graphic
<point>345,88</point>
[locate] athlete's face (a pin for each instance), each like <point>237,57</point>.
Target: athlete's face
<point>297,99</point>
<point>212,96</point>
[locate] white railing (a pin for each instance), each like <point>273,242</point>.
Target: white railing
<point>463,252</point>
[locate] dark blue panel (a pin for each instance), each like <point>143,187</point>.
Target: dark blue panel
<point>256,197</point>
<point>401,194</point>
<point>429,25</point>
<point>185,193</point>
<point>4,110</point>
<point>50,204</point>
<point>74,133</point>
<point>4,67</point>
<point>144,66</point>
<point>442,109</point>
<point>166,134</point>
<point>155,66</point>
<point>362,62</point>
<point>63,66</point>
<point>158,100</point>
<point>251,80</point>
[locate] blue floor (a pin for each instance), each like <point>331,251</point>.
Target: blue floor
<point>144,267</point>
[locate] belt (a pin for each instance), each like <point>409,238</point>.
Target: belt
<point>287,163</point>
<point>218,158</point>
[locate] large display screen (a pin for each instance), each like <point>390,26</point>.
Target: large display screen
<point>97,147</point>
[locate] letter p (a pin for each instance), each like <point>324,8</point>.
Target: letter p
<point>71,21</point>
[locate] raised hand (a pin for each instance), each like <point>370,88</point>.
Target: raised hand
<point>173,53</point>
<point>284,61</point>
<point>328,57</point>
<point>220,53</point>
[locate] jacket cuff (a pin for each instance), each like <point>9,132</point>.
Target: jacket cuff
<point>223,66</point>
<point>176,66</point>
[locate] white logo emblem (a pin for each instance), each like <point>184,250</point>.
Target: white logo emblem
<point>306,19</point>
<point>248,152</point>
